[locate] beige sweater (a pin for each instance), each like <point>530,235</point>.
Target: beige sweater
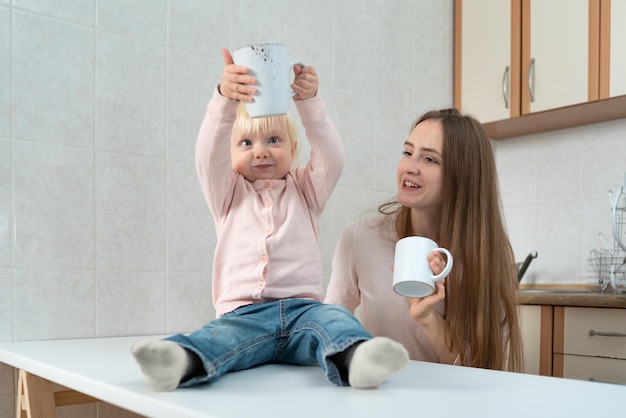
<point>362,278</point>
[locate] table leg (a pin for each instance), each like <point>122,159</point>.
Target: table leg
<point>35,398</point>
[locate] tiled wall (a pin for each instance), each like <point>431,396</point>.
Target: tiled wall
<point>103,227</point>
<point>554,189</point>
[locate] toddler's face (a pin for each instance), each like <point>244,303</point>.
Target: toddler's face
<point>266,155</point>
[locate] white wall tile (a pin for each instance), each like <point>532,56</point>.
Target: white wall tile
<point>131,303</point>
<point>130,96</point>
<point>354,57</point>
<point>559,167</point>
<point>53,205</point>
<point>190,230</point>
<point>189,301</point>
<point>191,80</point>
<point>355,131</point>
<point>145,20</point>
<point>394,55</point>
<point>5,73</point>
<point>307,21</point>
<point>199,27</point>
<point>557,238</point>
<point>52,304</point>
<point>604,158</point>
<point>516,161</point>
<point>393,126</point>
<point>520,222</point>
<point>76,11</point>
<point>6,307</point>
<point>130,213</point>
<point>5,204</point>
<point>253,22</point>
<point>53,81</point>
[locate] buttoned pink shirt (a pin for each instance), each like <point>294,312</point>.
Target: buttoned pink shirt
<point>267,230</point>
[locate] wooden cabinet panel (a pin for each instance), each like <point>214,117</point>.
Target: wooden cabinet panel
<point>608,325</point>
<point>594,368</point>
<point>572,42</point>
<point>617,56</point>
<point>555,72</point>
<point>530,323</point>
<point>486,82</point>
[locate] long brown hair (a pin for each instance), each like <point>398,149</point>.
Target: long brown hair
<point>481,312</point>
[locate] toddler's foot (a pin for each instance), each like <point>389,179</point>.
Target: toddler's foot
<point>163,363</point>
<point>374,361</point>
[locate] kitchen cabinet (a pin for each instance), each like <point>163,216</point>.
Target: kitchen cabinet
<point>612,48</point>
<point>530,324</point>
<point>559,53</point>
<point>590,344</point>
<point>528,66</point>
<point>489,84</point>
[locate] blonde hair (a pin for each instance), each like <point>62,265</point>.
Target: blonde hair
<point>263,125</point>
<point>481,311</point>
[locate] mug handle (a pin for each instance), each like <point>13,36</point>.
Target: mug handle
<point>448,267</point>
<point>291,65</point>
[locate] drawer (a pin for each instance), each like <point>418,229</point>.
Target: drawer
<point>594,368</point>
<point>609,326</point>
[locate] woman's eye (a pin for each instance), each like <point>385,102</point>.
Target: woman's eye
<point>407,153</point>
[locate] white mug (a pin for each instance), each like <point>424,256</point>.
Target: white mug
<point>412,276</point>
<point>270,65</point>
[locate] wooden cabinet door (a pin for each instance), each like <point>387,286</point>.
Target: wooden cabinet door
<point>555,49</point>
<point>486,68</point>
<point>616,45</point>
<point>530,324</point>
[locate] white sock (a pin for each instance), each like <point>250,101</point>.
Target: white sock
<point>164,363</point>
<point>374,361</point>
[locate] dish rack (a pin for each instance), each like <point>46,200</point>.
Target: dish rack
<point>609,263</point>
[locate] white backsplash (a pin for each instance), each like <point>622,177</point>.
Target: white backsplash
<point>554,189</point>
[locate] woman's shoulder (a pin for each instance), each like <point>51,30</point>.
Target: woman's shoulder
<point>371,226</point>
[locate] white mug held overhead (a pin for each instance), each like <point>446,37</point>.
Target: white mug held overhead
<point>412,277</point>
<point>269,64</point>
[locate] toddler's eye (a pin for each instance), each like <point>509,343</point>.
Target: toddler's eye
<point>273,140</point>
<point>245,143</point>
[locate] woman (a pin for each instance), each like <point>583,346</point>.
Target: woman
<point>447,191</point>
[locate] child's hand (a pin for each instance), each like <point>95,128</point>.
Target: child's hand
<point>306,82</point>
<point>235,83</point>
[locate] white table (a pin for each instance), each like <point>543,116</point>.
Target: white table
<point>104,368</point>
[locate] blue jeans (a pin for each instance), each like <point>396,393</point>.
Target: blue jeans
<point>293,331</point>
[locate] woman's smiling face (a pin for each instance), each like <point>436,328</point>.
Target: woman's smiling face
<point>420,170</point>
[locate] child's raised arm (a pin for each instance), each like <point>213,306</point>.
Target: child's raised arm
<point>235,83</point>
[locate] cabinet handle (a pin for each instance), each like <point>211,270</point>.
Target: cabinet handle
<point>505,86</point>
<point>606,334</point>
<point>531,80</point>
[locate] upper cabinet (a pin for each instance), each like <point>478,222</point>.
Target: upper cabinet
<point>559,54</point>
<point>527,66</point>
<point>488,85</point>
<point>613,49</point>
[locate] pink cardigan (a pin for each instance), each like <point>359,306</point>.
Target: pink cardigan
<point>267,230</point>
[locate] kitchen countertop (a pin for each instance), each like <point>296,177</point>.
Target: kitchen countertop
<point>584,298</point>
<point>104,368</point>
